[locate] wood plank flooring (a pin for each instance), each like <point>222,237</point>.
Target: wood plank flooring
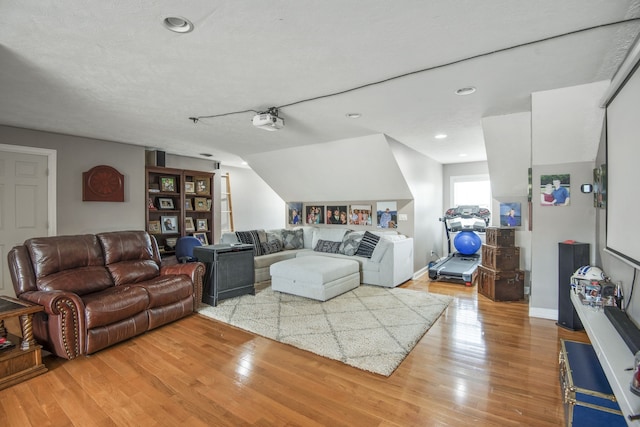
<point>482,363</point>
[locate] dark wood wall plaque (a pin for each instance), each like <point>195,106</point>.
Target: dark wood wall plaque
<point>102,184</point>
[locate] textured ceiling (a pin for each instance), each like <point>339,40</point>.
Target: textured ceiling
<point>110,70</point>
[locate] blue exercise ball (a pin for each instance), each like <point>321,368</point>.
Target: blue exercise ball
<point>467,242</point>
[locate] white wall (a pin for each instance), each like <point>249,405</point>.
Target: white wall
<point>77,155</point>
<point>424,178</point>
<point>346,170</point>
<point>508,144</point>
<point>255,204</point>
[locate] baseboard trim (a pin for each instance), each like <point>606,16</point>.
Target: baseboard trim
<point>543,313</point>
<point>420,273</point>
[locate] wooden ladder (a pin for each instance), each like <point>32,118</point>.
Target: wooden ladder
<point>226,207</point>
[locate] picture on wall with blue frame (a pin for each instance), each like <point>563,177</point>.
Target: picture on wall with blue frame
<point>510,214</point>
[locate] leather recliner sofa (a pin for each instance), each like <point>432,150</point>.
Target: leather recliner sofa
<point>98,290</point>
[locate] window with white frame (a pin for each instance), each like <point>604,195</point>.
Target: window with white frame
<point>471,190</point>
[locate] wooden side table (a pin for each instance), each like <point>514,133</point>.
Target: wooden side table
<point>24,361</point>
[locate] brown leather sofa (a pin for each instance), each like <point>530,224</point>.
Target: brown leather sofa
<point>98,290</point>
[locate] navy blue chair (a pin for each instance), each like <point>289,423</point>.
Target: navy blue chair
<point>184,248</point>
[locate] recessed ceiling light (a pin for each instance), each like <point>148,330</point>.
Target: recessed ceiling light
<point>354,115</point>
<point>463,154</point>
<point>440,136</point>
<point>178,24</point>
<point>465,90</point>
<point>244,163</point>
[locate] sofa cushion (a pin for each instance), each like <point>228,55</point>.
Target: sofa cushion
<point>127,246</point>
<point>265,261</point>
<point>82,280</point>
<point>128,272</point>
<point>380,249</point>
<point>271,247</point>
<point>253,237</point>
<point>367,244</point>
<point>350,243</point>
<point>58,253</point>
<point>293,238</point>
<point>273,235</point>
<point>114,304</point>
<point>330,234</point>
<point>327,246</point>
<point>167,290</point>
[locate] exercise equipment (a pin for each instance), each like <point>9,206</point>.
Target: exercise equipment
<point>466,221</point>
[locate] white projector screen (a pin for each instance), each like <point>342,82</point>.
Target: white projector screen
<point>623,172</point>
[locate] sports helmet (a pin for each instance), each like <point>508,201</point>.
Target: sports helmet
<point>586,275</point>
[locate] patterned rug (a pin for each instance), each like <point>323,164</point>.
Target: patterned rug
<point>371,327</point>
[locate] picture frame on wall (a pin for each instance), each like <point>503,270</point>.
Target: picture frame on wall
<point>203,185</point>
<point>169,224</point>
<point>336,214</point>
<point>190,187</point>
<point>387,214</point>
<point>188,225</point>
<point>510,214</point>
<point>168,184</point>
<point>555,190</point>
<point>202,237</point>
<point>165,203</point>
<point>360,215</point>
<point>294,213</point>
<point>314,214</point>
<point>187,205</point>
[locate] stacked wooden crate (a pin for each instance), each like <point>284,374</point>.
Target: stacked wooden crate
<point>499,275</point>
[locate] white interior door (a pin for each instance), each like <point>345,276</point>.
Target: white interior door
<point>24,204</point>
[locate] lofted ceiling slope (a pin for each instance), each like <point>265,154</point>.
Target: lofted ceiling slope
<point>111,70</point>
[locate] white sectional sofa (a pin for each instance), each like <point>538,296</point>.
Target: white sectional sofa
<point>390,262</point>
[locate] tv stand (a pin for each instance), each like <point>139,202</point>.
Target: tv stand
<point>613,354</point>
<point>230,271</point>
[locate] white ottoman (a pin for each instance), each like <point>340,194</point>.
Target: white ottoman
<point>316,277</point>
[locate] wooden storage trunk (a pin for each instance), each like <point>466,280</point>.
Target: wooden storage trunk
<point>501,258</point>
<point>586,394</point>
<point>500,236</point>
<point>501,285</point>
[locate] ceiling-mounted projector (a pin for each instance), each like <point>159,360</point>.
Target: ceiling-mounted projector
<point>268,121</point>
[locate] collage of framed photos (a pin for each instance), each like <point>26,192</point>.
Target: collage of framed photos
<point>385,214</point>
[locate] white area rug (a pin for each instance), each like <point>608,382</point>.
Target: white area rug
<point>371,327</point>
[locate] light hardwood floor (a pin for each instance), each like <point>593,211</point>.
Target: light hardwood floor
<point>482,363</point>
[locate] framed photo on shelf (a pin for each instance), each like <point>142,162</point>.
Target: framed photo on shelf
<point>201,204</point>
<point>165,203</point>
<point>168,184</point>
<point>154,227</point>
<point>187,205</point>
<point>202,185</point>
<point>189,187</point>
<point>202,237</point>
<point>201,224</point>
<point>188,225</point>
<point>169,224</point>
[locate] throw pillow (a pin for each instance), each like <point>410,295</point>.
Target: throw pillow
<point>251,238</point>
<point>381,249</point>
<point>293,239</point>
<point>271,247</point>
<point>327,246</point>
<point>351,242</point>
<point>367,244</point>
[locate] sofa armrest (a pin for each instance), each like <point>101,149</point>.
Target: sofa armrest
<point>394,267</point>
<point>195,271</point>
<point>63,325</point>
